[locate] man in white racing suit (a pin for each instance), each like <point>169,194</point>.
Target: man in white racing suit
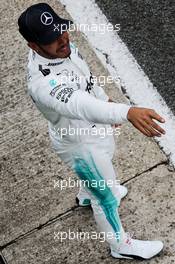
<point>61,86</point>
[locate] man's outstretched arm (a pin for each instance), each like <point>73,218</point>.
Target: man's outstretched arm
<point>71,102</point>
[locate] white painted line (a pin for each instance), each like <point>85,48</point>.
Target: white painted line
<point>121,63</point>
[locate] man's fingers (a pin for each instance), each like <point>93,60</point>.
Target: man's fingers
<point>156,116</point>
<point>144,120</point>
<point>149,128</point>
<point>157,127</point>
<point>142,129</point>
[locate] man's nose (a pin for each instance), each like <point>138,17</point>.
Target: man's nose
<point>63,42</point>
<point>64,38</point>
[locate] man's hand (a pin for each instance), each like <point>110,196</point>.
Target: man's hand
<point>142,119</point>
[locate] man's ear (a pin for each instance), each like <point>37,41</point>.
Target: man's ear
<point>33,46</point>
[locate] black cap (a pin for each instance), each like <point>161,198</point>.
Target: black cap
<point>39,23</point>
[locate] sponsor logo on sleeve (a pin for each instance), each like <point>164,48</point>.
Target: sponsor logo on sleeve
<point>54,90</point>
<point>90,84</point>
<point>52,82</point>
<point>65,94</point>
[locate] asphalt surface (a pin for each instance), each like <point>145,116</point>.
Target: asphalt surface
<point>32,210</point>
<point>148,30</point>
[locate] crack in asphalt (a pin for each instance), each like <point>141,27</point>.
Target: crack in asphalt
<point>49,222</point>
<point>147,170</point>
<point>71,210</point>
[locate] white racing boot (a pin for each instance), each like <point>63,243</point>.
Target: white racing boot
<point>121,192</point>
<point>136,249</point>
<point>83,198</point>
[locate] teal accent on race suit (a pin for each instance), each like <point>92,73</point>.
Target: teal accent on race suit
<point>86,202</point>
<point>52,83</point>
<point>88,172</point>
<point>72,45</point>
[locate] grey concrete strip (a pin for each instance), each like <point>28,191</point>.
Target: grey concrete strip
<point>28,165</point>
<point>148,211</point>
<point>135,153</point>
<point>151,203</point>
<point>28,197</point>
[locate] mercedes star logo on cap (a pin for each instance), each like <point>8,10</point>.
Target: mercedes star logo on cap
<point>46,18</point>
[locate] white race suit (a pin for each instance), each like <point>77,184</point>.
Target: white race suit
<point>63,90</point>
